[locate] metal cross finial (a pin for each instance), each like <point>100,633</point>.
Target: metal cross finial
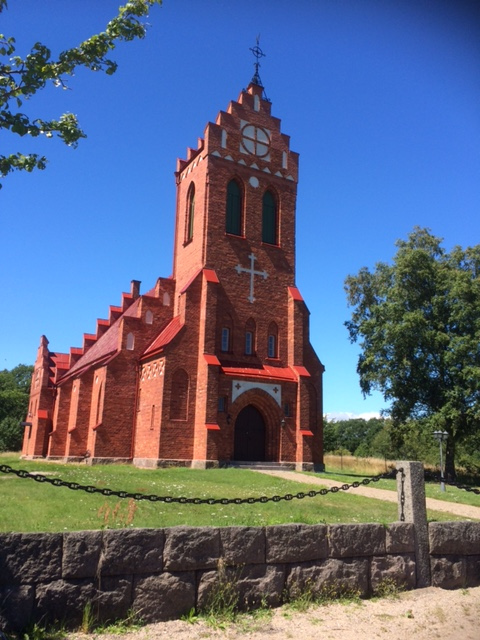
<point>258,53</point>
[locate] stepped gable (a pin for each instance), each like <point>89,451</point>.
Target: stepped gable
<point>53,362</point>
<point>59,364</point>
<point>250,107</point>
<point>101,348</point>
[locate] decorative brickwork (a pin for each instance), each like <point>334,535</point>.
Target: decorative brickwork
<point>217,354</point>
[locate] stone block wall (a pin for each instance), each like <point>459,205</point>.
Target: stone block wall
<point>455,554</point>
<point>164,573</point>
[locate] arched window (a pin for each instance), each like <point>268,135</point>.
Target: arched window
<point>149,317</point>
<point>312,408</point>
<point>226,334</point>
<point>190,212</point>
<point>272,346</point>
<point>225,339</point>
<point>130,342</point>
<point>98,413</point>
<point>166,299</point>
<point>250,337</point>
<point>234,209</point>
<point>179,395</point>
<point>269,219</point>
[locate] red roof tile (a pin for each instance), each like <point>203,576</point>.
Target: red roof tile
<point>211,359</point>
<point>164,337</point>
<point>211,276</point>
<point>277,373</point>
<point>302,371</point>
<point>295,293</point>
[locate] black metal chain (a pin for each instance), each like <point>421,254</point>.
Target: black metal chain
<point>402,495</point>
<point>57,482</point>
<point>436,477</point>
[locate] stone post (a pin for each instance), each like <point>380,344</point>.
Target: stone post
<point>411,502</point>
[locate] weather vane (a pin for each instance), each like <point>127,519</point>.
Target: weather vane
<point>258,53</point>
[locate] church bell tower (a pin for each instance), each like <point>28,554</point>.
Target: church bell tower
<point>258,385</point>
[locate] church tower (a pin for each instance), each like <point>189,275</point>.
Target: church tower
<point>213,365</point>
<point>251,384</point>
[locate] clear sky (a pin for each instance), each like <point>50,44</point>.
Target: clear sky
<point>381,99</point>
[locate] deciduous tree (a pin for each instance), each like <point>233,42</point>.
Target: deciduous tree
<point>417,321</point>
<point>22,77</point>
<point>14,394</point>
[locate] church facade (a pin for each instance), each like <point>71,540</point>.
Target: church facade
<point>214,364</point>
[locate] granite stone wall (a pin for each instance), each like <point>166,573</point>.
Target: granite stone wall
<point>164,573</point>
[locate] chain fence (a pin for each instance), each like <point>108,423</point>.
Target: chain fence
<point>74,486</point>
<point>431,476</point>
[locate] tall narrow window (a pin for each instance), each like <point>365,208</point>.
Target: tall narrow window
<point>225,339</point>
<point>99,404</point>
<point>250,337</point>
<point>269,219</point>
<point>234,209</point>
<point>179,395</point>
<point>152,418</point>
<point>130,342</point>
<point>248,343</point>
<point>190,212</point>
<point>272,344</point>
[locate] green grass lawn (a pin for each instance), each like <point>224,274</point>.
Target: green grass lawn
<point>432,489</point>
<point>26,505</point>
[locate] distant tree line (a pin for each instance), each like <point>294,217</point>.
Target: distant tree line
<point>14,395</point>
<point>380,438</point>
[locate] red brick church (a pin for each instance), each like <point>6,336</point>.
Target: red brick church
<point>212,365</point>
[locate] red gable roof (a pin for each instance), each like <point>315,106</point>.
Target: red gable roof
<point>164,337</point>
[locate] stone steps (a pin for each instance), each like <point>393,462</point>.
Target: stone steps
<point>263,466</point>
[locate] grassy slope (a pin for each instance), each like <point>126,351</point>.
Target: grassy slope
<point>30,506</point>
<point>355,469</point>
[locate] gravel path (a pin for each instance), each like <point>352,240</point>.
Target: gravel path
<point>424,614</point>
<point>463,510</point>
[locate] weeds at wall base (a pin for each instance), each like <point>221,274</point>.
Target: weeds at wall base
<point>388,588</point>
<point>301,598</point>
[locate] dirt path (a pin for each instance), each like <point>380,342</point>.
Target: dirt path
<point>425,614</point>
<point>463,510</point>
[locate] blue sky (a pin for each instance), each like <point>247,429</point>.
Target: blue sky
<point>381,99</point>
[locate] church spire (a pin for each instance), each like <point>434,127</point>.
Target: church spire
<point>258,53</point>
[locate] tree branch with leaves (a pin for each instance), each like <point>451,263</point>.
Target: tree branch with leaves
<point>417,321</point>
<point>21,78</point>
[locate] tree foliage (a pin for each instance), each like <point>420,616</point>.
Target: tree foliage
<point>417,321</point>
<point>14,395</point>
<point>22,77</point>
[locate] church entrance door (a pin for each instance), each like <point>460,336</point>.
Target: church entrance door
<point>249,442</point>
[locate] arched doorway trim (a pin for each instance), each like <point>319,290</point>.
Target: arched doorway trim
<point>241,386</point>
<point>272,414</point>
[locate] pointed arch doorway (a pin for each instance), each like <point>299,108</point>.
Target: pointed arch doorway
<point>249,439</point>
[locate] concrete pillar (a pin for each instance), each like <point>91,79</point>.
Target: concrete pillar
<point>412,508</point>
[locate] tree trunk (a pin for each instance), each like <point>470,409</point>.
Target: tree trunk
<point>450,473</point>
